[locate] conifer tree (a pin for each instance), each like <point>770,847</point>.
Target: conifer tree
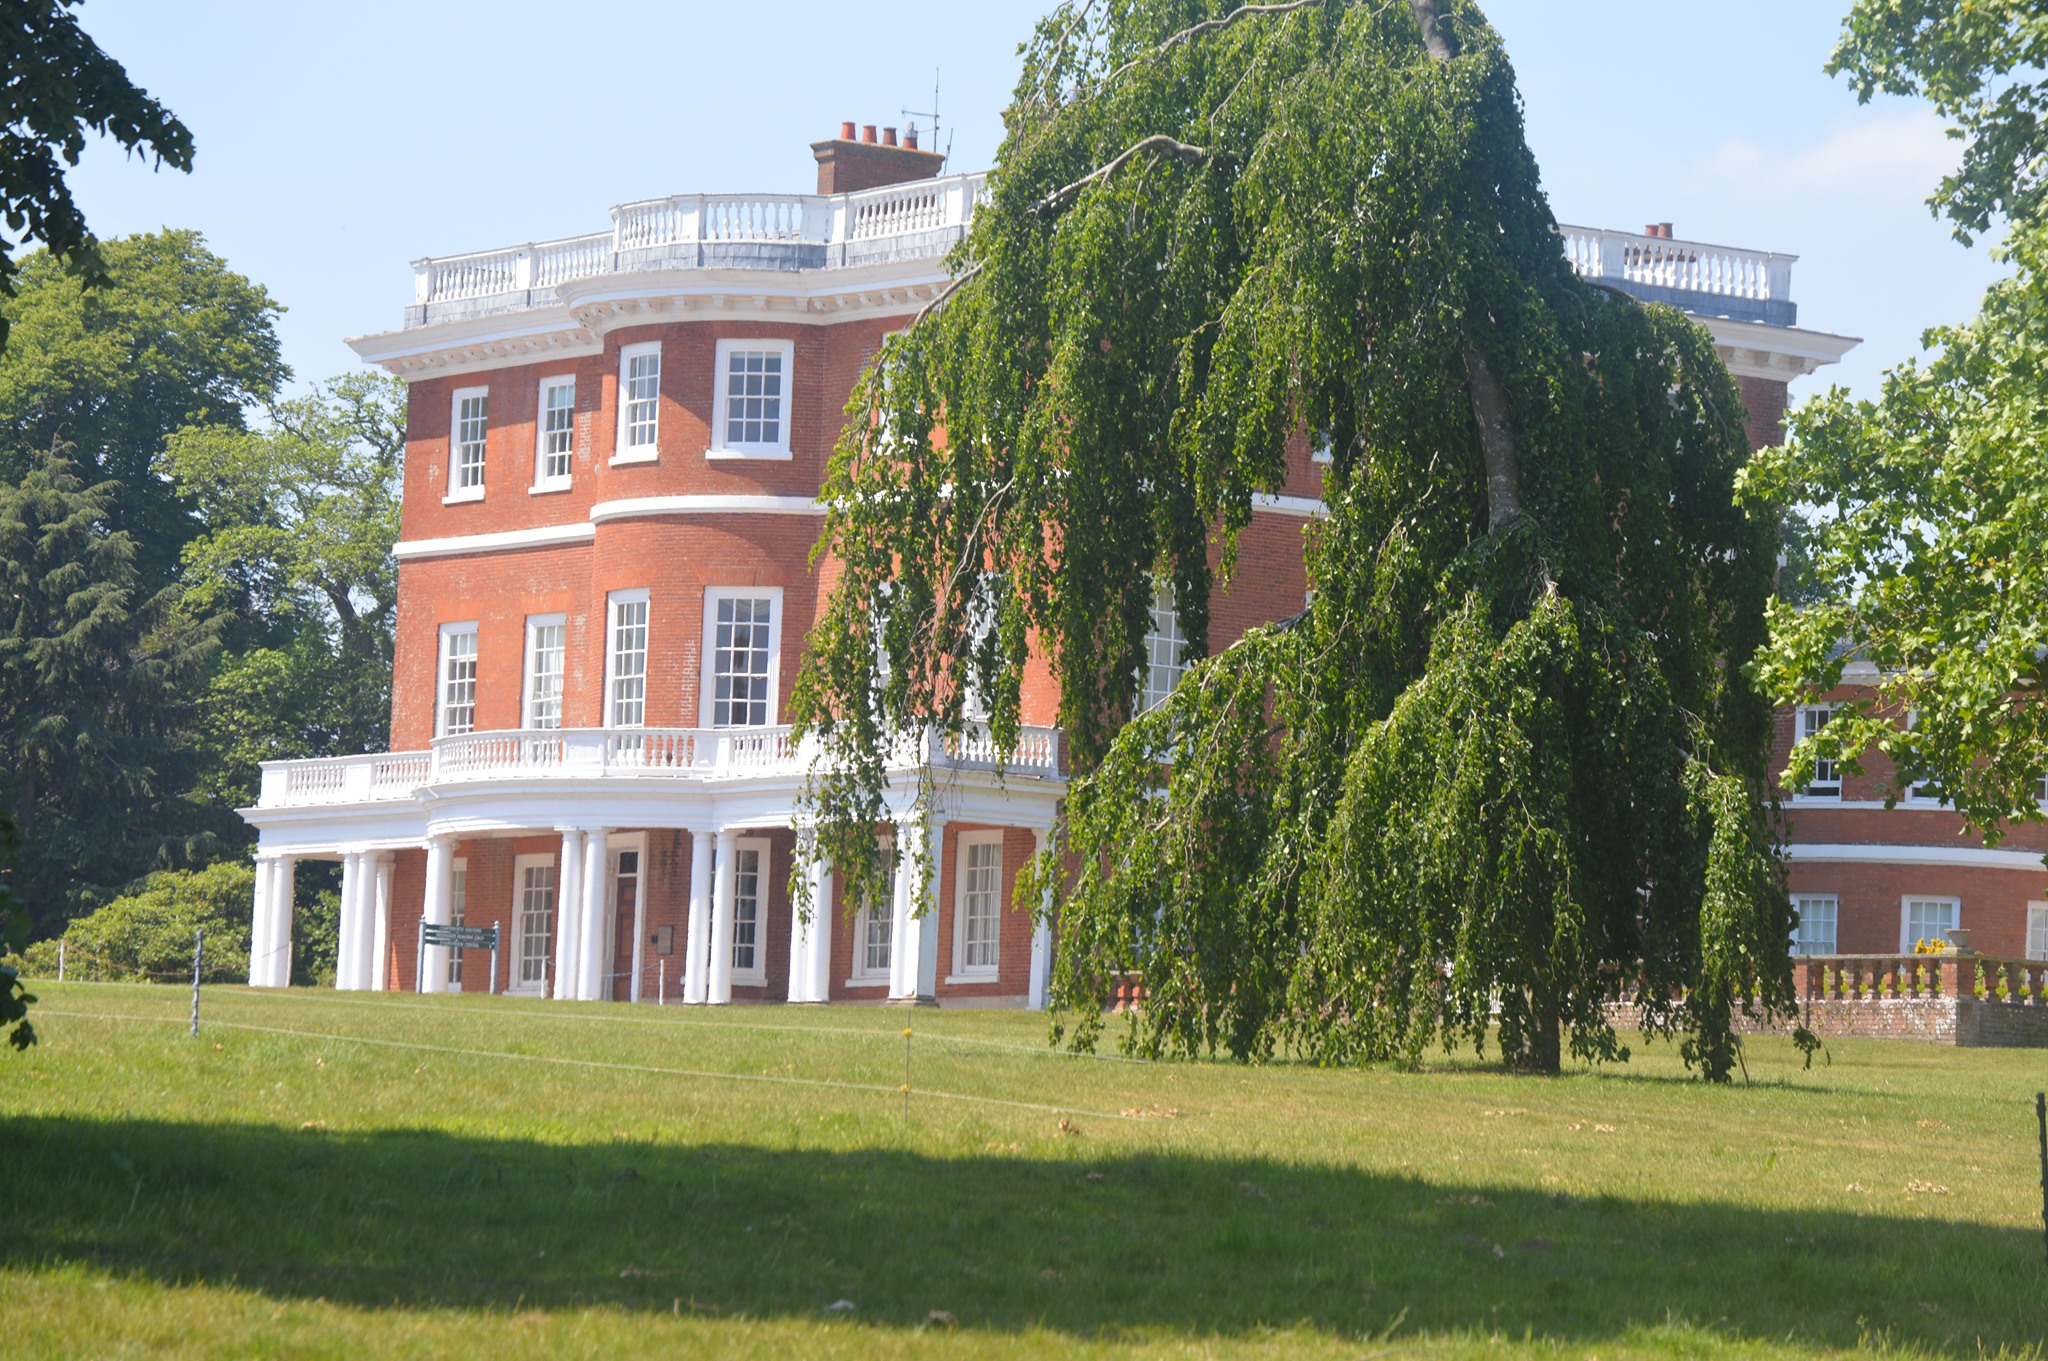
<point>1505,767</point>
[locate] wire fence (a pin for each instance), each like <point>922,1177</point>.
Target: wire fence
<point>905,1090</point>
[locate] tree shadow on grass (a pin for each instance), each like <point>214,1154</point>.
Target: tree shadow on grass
<point>1087,1246</point>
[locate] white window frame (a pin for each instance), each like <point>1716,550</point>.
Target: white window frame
<point>777,449</point>
<point>1806,792</point>
<point>515,982</point>
<point>1916,793</point>
<point>963,850</point>
<point>622,452</point>
<point>458,912</point>
<point>1802,902</point>
<point>534,624</point>
<point>861,974</point>
<point>707,694</point>
<point>543,480</point>
<point>1163,603</point>
<point>613,655</point>
<point>457,491</point>
<point>2037,931</point>
<point>757,974</point>
<point>442,683</point>
<point>1906,937</point>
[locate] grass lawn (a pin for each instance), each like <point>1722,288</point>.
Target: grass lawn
<point>390,1176</point>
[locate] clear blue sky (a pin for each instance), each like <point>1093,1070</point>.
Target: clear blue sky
<point>337,142</point>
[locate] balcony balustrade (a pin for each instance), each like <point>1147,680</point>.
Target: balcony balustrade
<point>926,217</point>
<point>692,231</point>
<point>633,754</point>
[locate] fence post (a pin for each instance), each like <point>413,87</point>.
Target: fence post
<point>661,982</point>
<point>2041,1118</point>
<point>198,953</point>
<point>62,941</point>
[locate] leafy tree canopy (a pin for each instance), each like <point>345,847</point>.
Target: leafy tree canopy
<point>149,934</point>
<point>297,519</point>
<point>97,677</point>
<point>174,338</point>
<point>1928,508</point>
<point>58,83</point>
<point>1982,63</point>
<point>1507,754</point>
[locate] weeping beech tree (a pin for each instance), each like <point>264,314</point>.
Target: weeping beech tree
<point>1505,767</point>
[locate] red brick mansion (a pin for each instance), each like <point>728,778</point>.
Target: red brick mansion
<point>615,444</point>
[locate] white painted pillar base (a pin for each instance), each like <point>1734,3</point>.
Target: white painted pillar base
<point>902,952</point>
<point>282,884</point>
<point>821,933</point>
<point>697,948</point>
<point>439,908</point>
<point>596,919</point>
<point>347,970</point>
<point>1041,943</point>
<point>719,991</point>
<point>568,915</point>
<point>259,926</point>
<point>928,924</point>
<point>378,976</point>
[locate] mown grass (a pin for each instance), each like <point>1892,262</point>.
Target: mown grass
<point>455,1189</point>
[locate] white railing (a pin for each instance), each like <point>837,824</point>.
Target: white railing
<point>1689,266</point>
<point>696,219</point>
<point>898,209</point>
<point>618,753</point>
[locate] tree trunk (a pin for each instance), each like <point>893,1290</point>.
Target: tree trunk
<point>1489,401</point>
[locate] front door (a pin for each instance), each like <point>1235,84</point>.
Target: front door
<point>625,907</point>
<point>533,925</point>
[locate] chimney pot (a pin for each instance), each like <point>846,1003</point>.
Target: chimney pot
<point>910,137</point>
<point>846,131</point>
<point>1664,230</point>
<point>867,132</point>
<point>888,137</point>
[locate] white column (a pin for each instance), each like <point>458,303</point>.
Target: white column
<point>347,969</point>
<point>902,953</point>
<point>640,921</point>
<point>596,918</point>
<point>280,950</point>
<point>821,932</point>
<point>799,933</point>
<point>440,905</point>
<point>568,914</point>
<point>720,990</point>
<point>696,953</point>
<point>1041,943</point>
<point>259,926</point>
<point>934,846</point>
<point>380,923</point>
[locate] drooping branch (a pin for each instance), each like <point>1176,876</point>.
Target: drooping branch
<point>1489,400</point>
<point>1434,37</point>
<point>953,286</point>
<point>1158,144</point>
<point>1194,31</point>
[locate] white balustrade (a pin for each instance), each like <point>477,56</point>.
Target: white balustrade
<point>1688,266</point>
<point>620,754</point>
<point>912,209</point>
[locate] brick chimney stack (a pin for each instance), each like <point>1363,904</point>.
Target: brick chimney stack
<point>846,165</point>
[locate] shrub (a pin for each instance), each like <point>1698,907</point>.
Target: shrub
<point>149,934</point>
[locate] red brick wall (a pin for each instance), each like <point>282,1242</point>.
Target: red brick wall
<point>1764,402</point>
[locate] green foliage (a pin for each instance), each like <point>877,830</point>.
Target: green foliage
<point>14,999</point>
<point>1981,64</point>
<point>1929,506</point>
<point>1507,754</point>
<point>149,934</point>
<point>298,522</point>
<point>173,339</point>
<point>96,681</point>
<point>1932,560</point>
<point>59,83</point>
